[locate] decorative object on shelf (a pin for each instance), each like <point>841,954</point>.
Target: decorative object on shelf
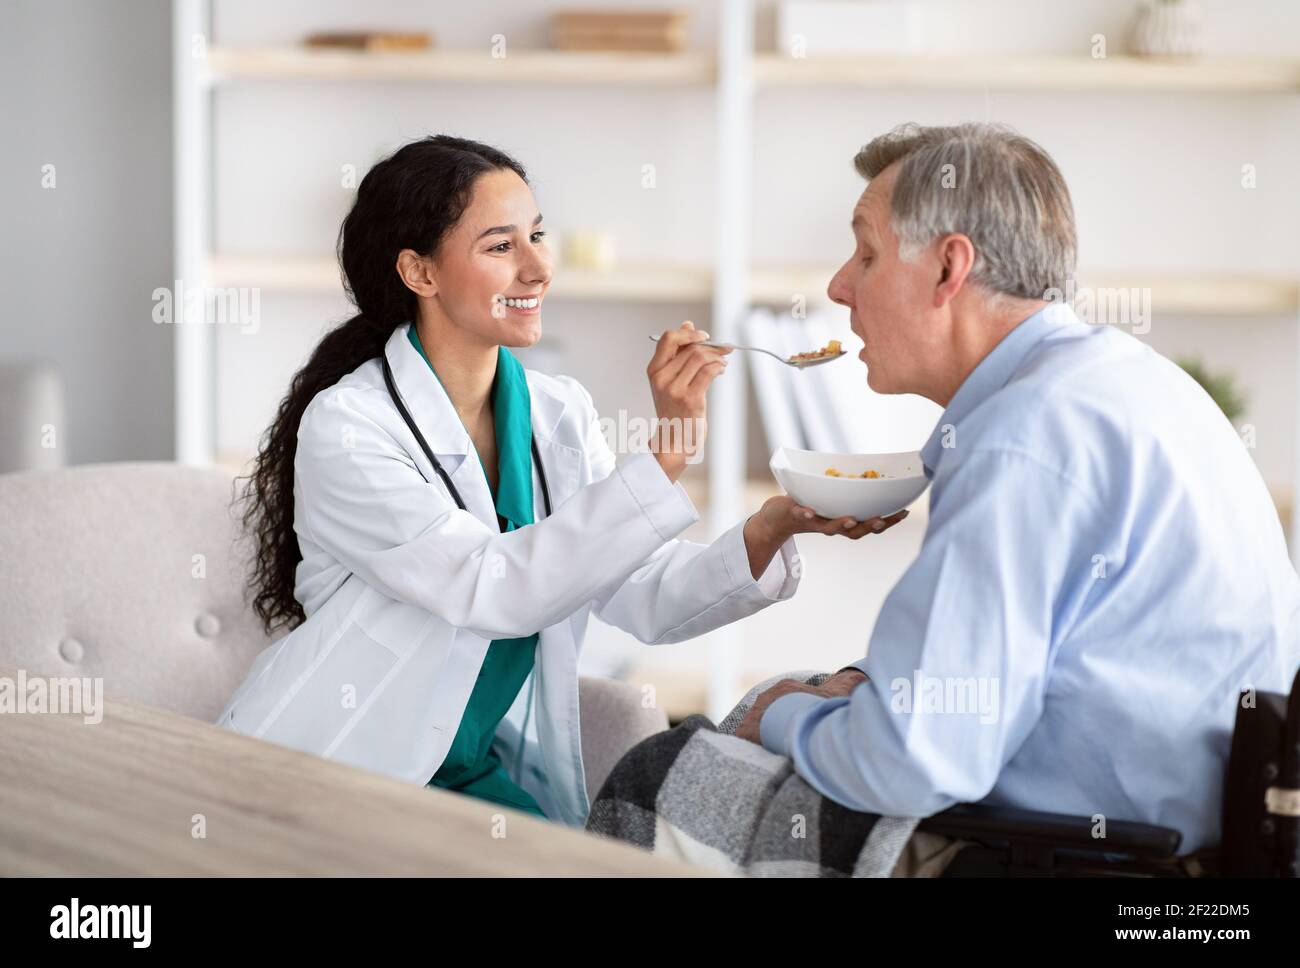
<point>371,41</point>
<point>1221,386</point>
<point>660,31</point>
<point>816,28</point>
<point>590,250</point>
<point>1168,28</point>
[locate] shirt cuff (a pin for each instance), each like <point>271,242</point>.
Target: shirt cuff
<point>775,729</point>
<point>665,503</point>
<point>781,577</point>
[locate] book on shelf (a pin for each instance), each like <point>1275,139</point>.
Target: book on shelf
<point>650,31</point>
<point>370,41</point>
<point>772,382</point>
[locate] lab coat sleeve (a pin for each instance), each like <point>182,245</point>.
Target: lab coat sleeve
<point>362,500</point>
<point>684,588</point>
<point>977,610</point>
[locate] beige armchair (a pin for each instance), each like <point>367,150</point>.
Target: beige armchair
<point>135,572</point>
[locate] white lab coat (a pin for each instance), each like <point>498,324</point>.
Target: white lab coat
<point>403,591</point>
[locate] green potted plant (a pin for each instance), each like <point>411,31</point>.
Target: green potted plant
<point>1221,386</point>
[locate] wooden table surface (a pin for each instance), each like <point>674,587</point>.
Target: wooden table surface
<point>149,792</point>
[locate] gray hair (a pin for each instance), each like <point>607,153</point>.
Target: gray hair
<point>984,181</point>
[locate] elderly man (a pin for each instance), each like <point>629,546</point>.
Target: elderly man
<point>1103,571</point>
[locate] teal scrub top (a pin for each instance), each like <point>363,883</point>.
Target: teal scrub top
<point>472,767</point>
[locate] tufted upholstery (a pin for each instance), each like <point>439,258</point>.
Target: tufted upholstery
<point>129,572</point>
<point>136,572</point>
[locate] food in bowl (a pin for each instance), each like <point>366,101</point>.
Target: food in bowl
<point>900,479</point>
<point>833,472</point>
<point>832,348</point>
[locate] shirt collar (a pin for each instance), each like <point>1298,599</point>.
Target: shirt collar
<point>993,372</point>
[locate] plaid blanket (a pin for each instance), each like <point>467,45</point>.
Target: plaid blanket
<point>698,792</point>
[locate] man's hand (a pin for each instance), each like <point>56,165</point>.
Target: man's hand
<point>840,684</point>
<point>843,682</point>
<point>780,519</point>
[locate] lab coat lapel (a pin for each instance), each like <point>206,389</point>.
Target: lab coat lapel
<point>471,481</point>
<point>563,464</point>
<point>433,413</point>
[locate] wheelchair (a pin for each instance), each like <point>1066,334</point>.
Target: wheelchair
<point>1260,825</point>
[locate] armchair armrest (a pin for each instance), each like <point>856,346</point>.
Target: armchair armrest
<point>613,720</point>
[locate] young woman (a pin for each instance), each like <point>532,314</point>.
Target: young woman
<point>435,523</point>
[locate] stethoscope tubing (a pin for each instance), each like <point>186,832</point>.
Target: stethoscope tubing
<point>437,465</point>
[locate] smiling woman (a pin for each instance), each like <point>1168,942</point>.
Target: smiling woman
<point>433,599</point>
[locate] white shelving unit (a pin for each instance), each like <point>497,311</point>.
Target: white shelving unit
<point>737,74</point>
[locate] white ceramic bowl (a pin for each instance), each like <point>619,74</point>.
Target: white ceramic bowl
<point>802,473</point>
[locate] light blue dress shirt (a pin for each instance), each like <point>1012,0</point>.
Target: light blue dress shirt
<point>1102,573</point>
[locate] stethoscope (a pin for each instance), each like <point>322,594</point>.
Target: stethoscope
<point>451,489</point>
<point>437,465</point>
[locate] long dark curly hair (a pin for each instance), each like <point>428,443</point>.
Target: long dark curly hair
<point>410,200</point>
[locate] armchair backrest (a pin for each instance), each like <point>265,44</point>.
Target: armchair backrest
<point>135,572</point>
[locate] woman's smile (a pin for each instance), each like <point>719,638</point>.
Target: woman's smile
<point>528,305</point>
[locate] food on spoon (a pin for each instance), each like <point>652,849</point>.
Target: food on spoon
<point>832,348</point>
<point>833,472</point>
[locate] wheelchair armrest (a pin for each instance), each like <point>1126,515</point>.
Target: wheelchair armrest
<point>972,821</point>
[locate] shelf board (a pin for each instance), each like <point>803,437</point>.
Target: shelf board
<point>932,71</point>
<point>320,274</point>
<point>1032,72</point>
<point>528,66</point>
<point>1191,292</point>
<point>278,273</point>
<point>1207,293</point>
<point>640,283</point>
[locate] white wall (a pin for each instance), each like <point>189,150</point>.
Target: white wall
<point>86,86</point>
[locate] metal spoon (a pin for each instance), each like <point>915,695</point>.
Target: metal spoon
<point>797,364</point>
